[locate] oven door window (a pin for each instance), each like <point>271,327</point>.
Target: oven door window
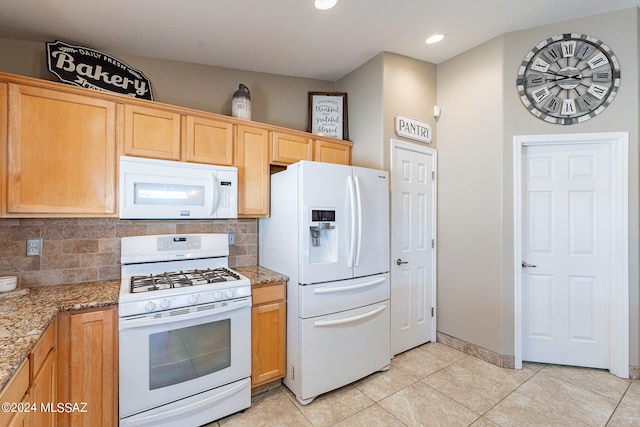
<point>181,355</point>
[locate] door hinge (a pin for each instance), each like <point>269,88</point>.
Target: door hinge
<point>293,372</point>
<point>433,243</point>
<point>432,311</point>
<point>433,175</point>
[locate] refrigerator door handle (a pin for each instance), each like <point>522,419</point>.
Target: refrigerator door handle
<point>352,238</point>
<point>359,199</point>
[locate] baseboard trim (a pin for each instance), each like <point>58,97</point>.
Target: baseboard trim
<point>474,350</point>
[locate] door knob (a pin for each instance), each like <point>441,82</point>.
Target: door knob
<point>400,262</point>
<point>526,264</point>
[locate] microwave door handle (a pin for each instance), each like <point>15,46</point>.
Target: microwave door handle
<point>215,187</point>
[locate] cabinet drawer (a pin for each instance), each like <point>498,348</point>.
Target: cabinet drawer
<point>270,293</point>
<point>15,390</point>
<point>42,348</point>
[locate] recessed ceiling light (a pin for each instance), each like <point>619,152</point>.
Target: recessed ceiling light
<point>435,38</point>
<point>325,4</point>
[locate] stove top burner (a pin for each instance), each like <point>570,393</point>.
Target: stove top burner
<point>179,279</point>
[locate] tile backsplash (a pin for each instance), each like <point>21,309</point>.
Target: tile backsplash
<point>88,249</point>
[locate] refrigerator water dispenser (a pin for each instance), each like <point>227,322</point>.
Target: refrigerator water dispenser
<point>323,242</point>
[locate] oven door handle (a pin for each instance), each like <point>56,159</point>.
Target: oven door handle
<point>337,322</point>
<point>148,320</point>
<point>173,413</point>
<point>336,289</point>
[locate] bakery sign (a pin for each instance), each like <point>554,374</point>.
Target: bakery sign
<point>413,129</point>
<point>84,67</point>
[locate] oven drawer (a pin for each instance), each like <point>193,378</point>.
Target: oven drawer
<point>333,297</point>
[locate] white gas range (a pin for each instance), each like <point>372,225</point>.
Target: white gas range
<point>185,331</point>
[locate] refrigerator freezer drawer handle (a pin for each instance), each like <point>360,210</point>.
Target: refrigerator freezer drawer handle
<point>352,238</point>
<point>321,323</point>
<point>334,290</point>
<point>359,199</point>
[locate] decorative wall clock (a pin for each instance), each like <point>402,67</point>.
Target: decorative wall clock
<point>568,78</point>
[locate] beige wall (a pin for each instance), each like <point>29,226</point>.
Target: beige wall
<point>387,85</point>
<point>470,196</point>
<point>275,99</point>
<point>409,89</point>
<point>364,89</point>
<point>481,113</point>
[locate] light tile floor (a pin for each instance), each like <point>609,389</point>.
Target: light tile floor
<point>435,385</point>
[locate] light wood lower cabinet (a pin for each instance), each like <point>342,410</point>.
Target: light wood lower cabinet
<point>32,389</point>
<point>88,366</point>
<point>44,379</point>
<point>16,392</point>
<point>61,154</point>
<point>268,336</point>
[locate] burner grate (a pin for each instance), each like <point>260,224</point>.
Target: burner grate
<point>179,279</point>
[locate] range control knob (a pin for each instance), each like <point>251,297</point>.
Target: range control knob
<point>150,306</point>
<point>217,296</point>
<point>193,299</point>
<point>229,293</point>
<point>164,304</point>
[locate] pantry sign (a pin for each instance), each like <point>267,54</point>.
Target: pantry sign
<point>413,129</point>
<point>84,67</point>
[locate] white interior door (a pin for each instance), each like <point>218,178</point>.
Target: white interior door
<point>566,251</point>
<point>413,253</point>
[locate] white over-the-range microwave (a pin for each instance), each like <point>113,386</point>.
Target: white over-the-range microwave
<point>165,189</point>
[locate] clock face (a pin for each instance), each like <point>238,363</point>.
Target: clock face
<point>568,79</point>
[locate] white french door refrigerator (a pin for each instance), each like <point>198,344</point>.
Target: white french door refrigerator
<point>329,233</point>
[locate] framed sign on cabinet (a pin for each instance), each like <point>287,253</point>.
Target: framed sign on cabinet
<point>328,114</point>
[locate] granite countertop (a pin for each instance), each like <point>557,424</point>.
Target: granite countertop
<point>25,313</point>
<point>261,276</point>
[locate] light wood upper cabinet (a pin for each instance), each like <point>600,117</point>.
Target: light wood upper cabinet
<point>151,132</point>
<point>164,134</point>
<point>61,154</point>
<point>207,141</point>
<point>332,152</point>
<point>287,148</point>
<point>252,160</point>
